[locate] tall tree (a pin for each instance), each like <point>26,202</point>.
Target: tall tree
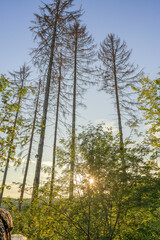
<point>19,92</point>
<point>82,52</point>
<point>62,85</point>
<point>118,76</point>
<point>47,28</point>
<point>30,144</point>
<point>56,126</point>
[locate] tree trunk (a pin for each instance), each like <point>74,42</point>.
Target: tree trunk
<point>45,107</point>
<point>30,148</point>
<point>55,132</point>
<point>117,97</point>
<point>119,116</point>
<point>72,163</point>
<point>118,110</point>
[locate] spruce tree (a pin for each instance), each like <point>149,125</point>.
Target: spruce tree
<point>47,28</point>
<point>81,54</point>
<point>119,75</point>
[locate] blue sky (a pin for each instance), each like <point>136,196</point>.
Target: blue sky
<point>136,22</point>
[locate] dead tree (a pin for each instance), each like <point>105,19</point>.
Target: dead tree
<point>30,146</point>
<point>56,127</point>
<point>81,52</point>
<point>118,75</point>
<point>47,28</point>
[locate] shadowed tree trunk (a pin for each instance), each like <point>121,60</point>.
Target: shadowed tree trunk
<point>45,107</point>
<point>71,186</point>
<point>55,131</point>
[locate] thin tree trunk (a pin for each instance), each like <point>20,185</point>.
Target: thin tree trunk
<point>45,107</point>
<point>119,114</point>
<point>11,143</point>
<point>30,148</point>
<point>5,171</point>
<point>115,225</point>
<point>117,97</point>
<point>55,132</point>
<point>89,215</point>
<point>72,163</point>
<point>118,109</point>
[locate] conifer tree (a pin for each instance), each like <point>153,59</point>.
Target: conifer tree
<point>81,52</point>
<point>56,126</point>
<point>62,67</point>
<point>47,28</point>
<point>30,144</point>
<point>118,76</point>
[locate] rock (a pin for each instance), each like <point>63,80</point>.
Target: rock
<point>18,237</point>
<point>6,224</point>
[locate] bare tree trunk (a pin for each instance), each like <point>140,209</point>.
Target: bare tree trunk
<point>45,107</point>
<point>119,114</point>
<point>55,132</point>
<point>11,142</point>
<point>117,97</point>
<point>72,163</point>
<point>30,148</point>
<point>118,109</point>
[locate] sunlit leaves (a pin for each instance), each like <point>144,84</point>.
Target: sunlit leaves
<point>149,104</point>
<point>12,122</point>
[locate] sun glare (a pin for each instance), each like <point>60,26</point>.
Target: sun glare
<point>91,180</point>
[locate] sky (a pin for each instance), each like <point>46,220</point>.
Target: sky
<point>136,22</point>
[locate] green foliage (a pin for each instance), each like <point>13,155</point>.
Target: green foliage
<point>3,83</point>
<point>119,199</point>
<point>13,127</point>
<point>108,207</point>
<point>116,186</point>
<point>149,101</point>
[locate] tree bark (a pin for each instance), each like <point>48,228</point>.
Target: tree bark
<point>55,131</point>
<point>72,163</point>
<point>118,109</point>
<point>117,97</point>
<point>119,114</point>
<point>45,108</point>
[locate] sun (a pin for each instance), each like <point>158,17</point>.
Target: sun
<point>91,180</point>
